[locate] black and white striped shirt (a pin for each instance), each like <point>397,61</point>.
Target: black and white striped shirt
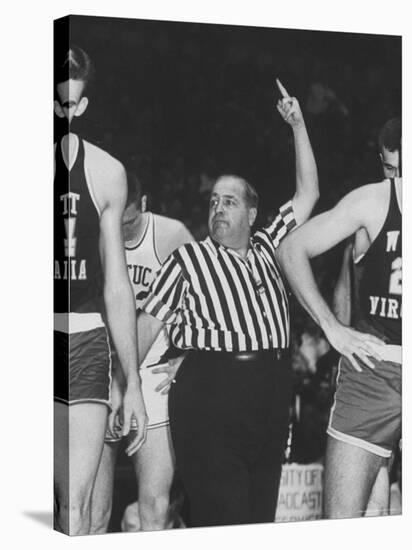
<point>213,299</point>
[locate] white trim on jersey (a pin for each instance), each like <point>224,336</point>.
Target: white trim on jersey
<point>142,238</point>
<point>154,242</point>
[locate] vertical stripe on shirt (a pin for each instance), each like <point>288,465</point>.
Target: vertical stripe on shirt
<point>216,300</point>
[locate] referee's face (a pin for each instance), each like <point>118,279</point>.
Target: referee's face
<point>230,217</point>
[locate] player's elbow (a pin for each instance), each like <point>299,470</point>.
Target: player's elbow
<point>288,251</point>
<point>304,203</point>
<point>315,194</point>
<point>312,196</point>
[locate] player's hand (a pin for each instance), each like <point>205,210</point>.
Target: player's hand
<point>133,405</point>
<point>355,345</point>
<point>171,370</point>
<point>289,108</point>
<point>115,420</point>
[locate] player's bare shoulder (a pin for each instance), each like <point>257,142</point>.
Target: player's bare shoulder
<point>106,174</point>
<point>369,200</point>
<point>170,234</point>
<point>372,202</point>
<point>376,196</point>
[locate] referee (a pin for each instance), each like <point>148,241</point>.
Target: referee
<point>225,303</point>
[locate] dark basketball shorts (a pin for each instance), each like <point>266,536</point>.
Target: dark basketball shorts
<point>82,367</point>
<point>367,406</point>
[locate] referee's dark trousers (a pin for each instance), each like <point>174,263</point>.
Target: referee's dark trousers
<point>229,416</point>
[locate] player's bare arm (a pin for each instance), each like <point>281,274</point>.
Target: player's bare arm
<point>318,235</point>
<point>171,235</point>
<point>307,187</point>
<point>342,294</point>
<point>119,299</point>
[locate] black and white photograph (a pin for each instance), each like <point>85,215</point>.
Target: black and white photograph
<point>227,275</point>
<point>208,327</point>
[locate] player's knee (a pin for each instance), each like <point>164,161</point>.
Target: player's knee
<point>154,510</point>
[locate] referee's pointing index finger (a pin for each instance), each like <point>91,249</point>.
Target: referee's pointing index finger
<point>282,89</point>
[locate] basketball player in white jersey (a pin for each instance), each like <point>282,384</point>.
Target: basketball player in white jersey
<point>365,421</point>
<point>91,291</point>
<point>149,239</point>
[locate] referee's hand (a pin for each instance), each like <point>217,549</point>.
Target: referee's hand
<point>289,108</point>
<point>170,369</point>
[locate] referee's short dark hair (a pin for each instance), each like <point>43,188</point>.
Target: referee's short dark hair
<point>390,135</point>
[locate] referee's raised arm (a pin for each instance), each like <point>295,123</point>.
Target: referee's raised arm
<point>307,187</point>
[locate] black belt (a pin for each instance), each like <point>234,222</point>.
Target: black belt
<point>277,354</point>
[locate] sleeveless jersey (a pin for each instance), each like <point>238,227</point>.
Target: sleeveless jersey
<point>380,287</point>
<point>78,278</point>
<point>142,265</point>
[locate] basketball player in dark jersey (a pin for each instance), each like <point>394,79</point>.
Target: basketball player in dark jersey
<point>148,240</point>
<point>365,422</point>
<point>91,285</point>
<point>346,297</point>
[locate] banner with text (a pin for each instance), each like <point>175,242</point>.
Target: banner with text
<point>300,493</point>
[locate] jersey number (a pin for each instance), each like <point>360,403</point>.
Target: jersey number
<point>395,281</point>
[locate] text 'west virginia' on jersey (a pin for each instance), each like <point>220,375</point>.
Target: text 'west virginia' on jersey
<point>381,281</point>
<point>78,278</point>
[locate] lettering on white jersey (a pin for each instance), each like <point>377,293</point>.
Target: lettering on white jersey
<point>140,274</point>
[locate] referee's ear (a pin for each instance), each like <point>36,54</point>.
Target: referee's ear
<point>252,215</point>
